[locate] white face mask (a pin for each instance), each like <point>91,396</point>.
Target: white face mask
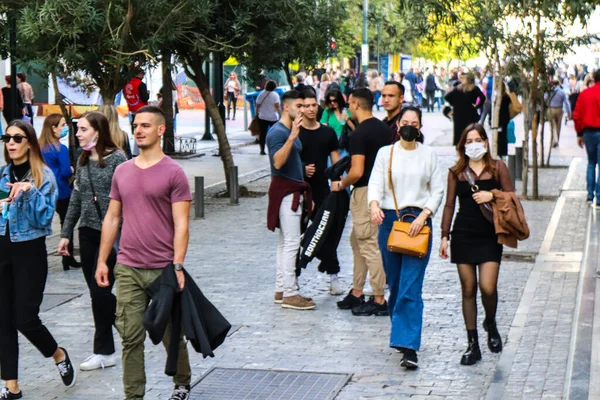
<point>475,151</point>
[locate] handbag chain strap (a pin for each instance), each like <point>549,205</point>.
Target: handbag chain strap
<point>94,198</point>
<point>391,184</point>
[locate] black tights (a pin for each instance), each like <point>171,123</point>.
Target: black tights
<point>488,282</point>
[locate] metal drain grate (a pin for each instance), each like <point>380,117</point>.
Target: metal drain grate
<point>239,383</point>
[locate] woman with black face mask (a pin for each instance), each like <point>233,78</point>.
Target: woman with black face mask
<point>406,183</point>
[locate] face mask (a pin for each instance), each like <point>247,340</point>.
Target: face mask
<point>91,144</point>
<point>475,151</point>
<point>64,132</point>
<point>409,133</point>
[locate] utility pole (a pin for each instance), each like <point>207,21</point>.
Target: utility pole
<point>207,127</point>
<point>378,51</point>
<point>365,41</point>
<point>13,63</point>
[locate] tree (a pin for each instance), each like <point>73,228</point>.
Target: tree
<point>539,36</point>
<point>98,38</point>
<point>293,31</point>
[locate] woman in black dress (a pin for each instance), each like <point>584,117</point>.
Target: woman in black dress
<point>465,100</point>
<point>474,240</point>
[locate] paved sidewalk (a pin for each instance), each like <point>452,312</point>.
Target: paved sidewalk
<point>232,257</point>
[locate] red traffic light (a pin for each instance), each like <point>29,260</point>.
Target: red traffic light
<point>333,44</point>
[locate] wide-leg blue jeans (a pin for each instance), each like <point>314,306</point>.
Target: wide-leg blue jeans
<point>405,275</point>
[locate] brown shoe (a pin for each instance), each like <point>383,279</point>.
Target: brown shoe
<point>278,297</point>
<point>298,302</point>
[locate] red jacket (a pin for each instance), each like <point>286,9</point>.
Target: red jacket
<point>587,110</point>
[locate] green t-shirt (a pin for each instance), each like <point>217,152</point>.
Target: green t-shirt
<point>330,119</point>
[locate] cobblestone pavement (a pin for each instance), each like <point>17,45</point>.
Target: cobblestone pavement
<point>232,257</point>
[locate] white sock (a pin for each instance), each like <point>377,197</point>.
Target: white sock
<point>332,277</point>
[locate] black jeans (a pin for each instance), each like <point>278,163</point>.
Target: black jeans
<point>29,108</point>
<point>23,273</point>
<point>264,128</point>
<point>231,100</point>
<point>104,302</point>
<point>430,100</point>
<point>62,205</point>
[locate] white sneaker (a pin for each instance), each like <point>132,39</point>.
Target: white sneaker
<point>97,361</point>
<point>335,288</point>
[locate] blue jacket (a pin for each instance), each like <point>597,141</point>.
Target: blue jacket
<point>60,164</point>
<point>31,213</point>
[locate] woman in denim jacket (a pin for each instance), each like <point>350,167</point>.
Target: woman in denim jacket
<point>28,193</point>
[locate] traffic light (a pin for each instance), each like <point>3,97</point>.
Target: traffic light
<point>333,44</point>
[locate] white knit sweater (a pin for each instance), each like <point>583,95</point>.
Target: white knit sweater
<point>417,177</point>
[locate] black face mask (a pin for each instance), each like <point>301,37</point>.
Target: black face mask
<point>409,133</point>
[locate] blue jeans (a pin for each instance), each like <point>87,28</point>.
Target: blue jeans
<point>592,147</point>
<point>405,275</point>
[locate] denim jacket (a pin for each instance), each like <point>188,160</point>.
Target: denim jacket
<point>31,213</point>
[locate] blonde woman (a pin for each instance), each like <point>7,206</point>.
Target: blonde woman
<point>233,88</point>
<point>118,135</point>
<point>466,101</point>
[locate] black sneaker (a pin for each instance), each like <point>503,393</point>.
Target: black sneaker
<point>351,301</point>
<point>67,372</point>
<point>7,394</point>
<point>180,393</point>
<point>371,308</point>
<point>410,361</point>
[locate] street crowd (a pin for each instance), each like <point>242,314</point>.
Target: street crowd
<point>329,156</point>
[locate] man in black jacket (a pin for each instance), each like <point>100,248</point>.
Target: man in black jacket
<point>319,144</point>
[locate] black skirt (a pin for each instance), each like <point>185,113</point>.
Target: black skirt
<point>473,239</point>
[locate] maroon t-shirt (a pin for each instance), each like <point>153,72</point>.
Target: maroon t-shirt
<point>146,196</point>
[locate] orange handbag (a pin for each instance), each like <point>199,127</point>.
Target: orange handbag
<point>399,241</point>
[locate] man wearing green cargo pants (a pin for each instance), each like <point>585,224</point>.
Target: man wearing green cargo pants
<point>152,194</point>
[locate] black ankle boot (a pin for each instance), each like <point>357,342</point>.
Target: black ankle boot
<point>473,353</point>
<point>494,338</point>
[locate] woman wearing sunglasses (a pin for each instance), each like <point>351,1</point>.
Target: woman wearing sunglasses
<point>28,193</point>
<point>335,115</point>
<point>56,156</point>
<point>88,205</point>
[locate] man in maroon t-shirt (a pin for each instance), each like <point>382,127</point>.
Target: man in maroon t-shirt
<point>152,194</point>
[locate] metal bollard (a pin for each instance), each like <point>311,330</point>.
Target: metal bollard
<point>512,167</point>
<point>199,197</point>
<point>519,163</point>
<point>234,188</point>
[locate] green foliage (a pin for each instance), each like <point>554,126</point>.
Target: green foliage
<point>98,38</point>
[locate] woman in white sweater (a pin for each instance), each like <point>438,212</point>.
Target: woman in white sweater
<point>419,187</point>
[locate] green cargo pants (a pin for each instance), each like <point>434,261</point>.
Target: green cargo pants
<point>132,301</point>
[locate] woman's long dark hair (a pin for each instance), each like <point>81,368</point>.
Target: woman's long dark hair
<point>463,160</point>
<point>105,144</point>
<point>416,110</point>
<point>36,160</point>
<point>339,97</point>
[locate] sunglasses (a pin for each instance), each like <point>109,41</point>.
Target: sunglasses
<point>16,138</point>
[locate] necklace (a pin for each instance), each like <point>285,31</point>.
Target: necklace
<point>26,176</point>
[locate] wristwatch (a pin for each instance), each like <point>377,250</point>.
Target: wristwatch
<point>178,267</point>
<point>427,211</point>
<point>339,186</point>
